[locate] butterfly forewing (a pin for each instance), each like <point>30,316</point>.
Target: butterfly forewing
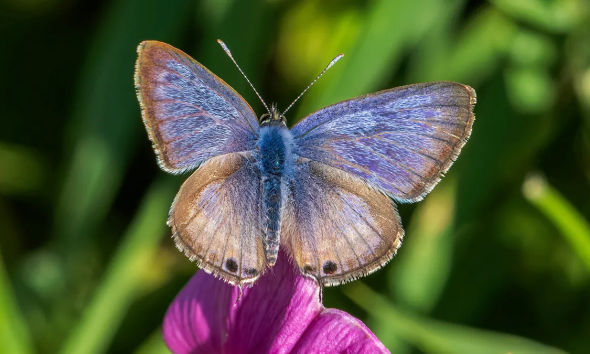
<point>190,114</point>
<point>215,218</point>
<point>336,227</point>
<point>401,140</point>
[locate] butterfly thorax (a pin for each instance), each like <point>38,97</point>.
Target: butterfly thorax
<point>274,158</point>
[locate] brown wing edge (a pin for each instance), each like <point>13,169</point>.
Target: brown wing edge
<point>146,104</point>
<point>456,150</point>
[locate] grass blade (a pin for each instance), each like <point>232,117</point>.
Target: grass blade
<point>572,225</point>
<point>123,278</point>
<point>14,335</point>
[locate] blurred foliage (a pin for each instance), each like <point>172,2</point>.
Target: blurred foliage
<point>495,260</point>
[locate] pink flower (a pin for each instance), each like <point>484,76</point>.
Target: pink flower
<point>281,313</point>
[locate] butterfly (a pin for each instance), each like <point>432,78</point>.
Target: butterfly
<point>324,190</point>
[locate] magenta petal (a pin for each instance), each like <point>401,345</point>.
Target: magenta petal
<point>281,313</point>
<point>275,312</point>
<point>197,319</point>
<point>335,331</point>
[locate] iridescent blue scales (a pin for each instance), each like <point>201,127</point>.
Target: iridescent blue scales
<point>324,191</point>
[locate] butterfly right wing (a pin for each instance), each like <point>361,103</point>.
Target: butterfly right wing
<point>215,218</point>
<point>337,227</point>
<point>190,114</point>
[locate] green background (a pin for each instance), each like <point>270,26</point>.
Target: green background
<point>495,260</point>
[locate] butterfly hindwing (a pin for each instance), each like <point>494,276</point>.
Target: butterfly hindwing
<point>215,218</point>
<point>400,140</point>
<point>336,227</point>
<point>190,114</point>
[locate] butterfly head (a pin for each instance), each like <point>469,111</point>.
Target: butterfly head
<point>274,117</point>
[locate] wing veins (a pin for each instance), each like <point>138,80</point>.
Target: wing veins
<point>424,135</point>
<point>319,208</point>
<point>417,152</point>
<point>344,233</point>
<point>402,166</point>
<point>191,115</point>
<point>196,131</point>
<point>209,88</point>
<point>397,132</point>
<point>354,228</point>
<point>225,221</point>
<point>309,131</point>
<point>367,222</point>
<point>297,216</point>
<point>203,259</point>
<point>352,164</point>
<point>393,111</point>
<point>223,181</point>
<point>438,121</point>
<point>392,162</point>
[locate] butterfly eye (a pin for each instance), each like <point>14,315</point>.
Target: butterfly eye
<point>277,163</point>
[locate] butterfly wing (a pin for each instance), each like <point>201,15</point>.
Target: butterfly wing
<point>401,140</point>
<point>215,218</point>
<point>190,114</point>
<point>337,227</point>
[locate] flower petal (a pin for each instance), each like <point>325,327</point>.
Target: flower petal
<point>335,331</point>
<point>274,313</point>
<point>206,316</point>
<point>280,313</point>
<point>197,319</point>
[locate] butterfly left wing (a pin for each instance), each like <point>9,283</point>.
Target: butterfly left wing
<point>215,218</point>
<point>190,114</point>
<point>335,226</point>
<point>401,140</point>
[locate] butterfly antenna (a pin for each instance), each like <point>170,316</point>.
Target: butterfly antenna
<point>226,49</point>
<point>338,57</point>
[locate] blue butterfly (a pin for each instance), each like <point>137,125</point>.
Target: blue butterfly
<point>324,190</point>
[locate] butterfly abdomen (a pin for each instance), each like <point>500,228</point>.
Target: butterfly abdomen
<point>274,160</point>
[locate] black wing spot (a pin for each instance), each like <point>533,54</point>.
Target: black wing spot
<point>251,271</point>
<point>330,267</point>
<point>231,265</point>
